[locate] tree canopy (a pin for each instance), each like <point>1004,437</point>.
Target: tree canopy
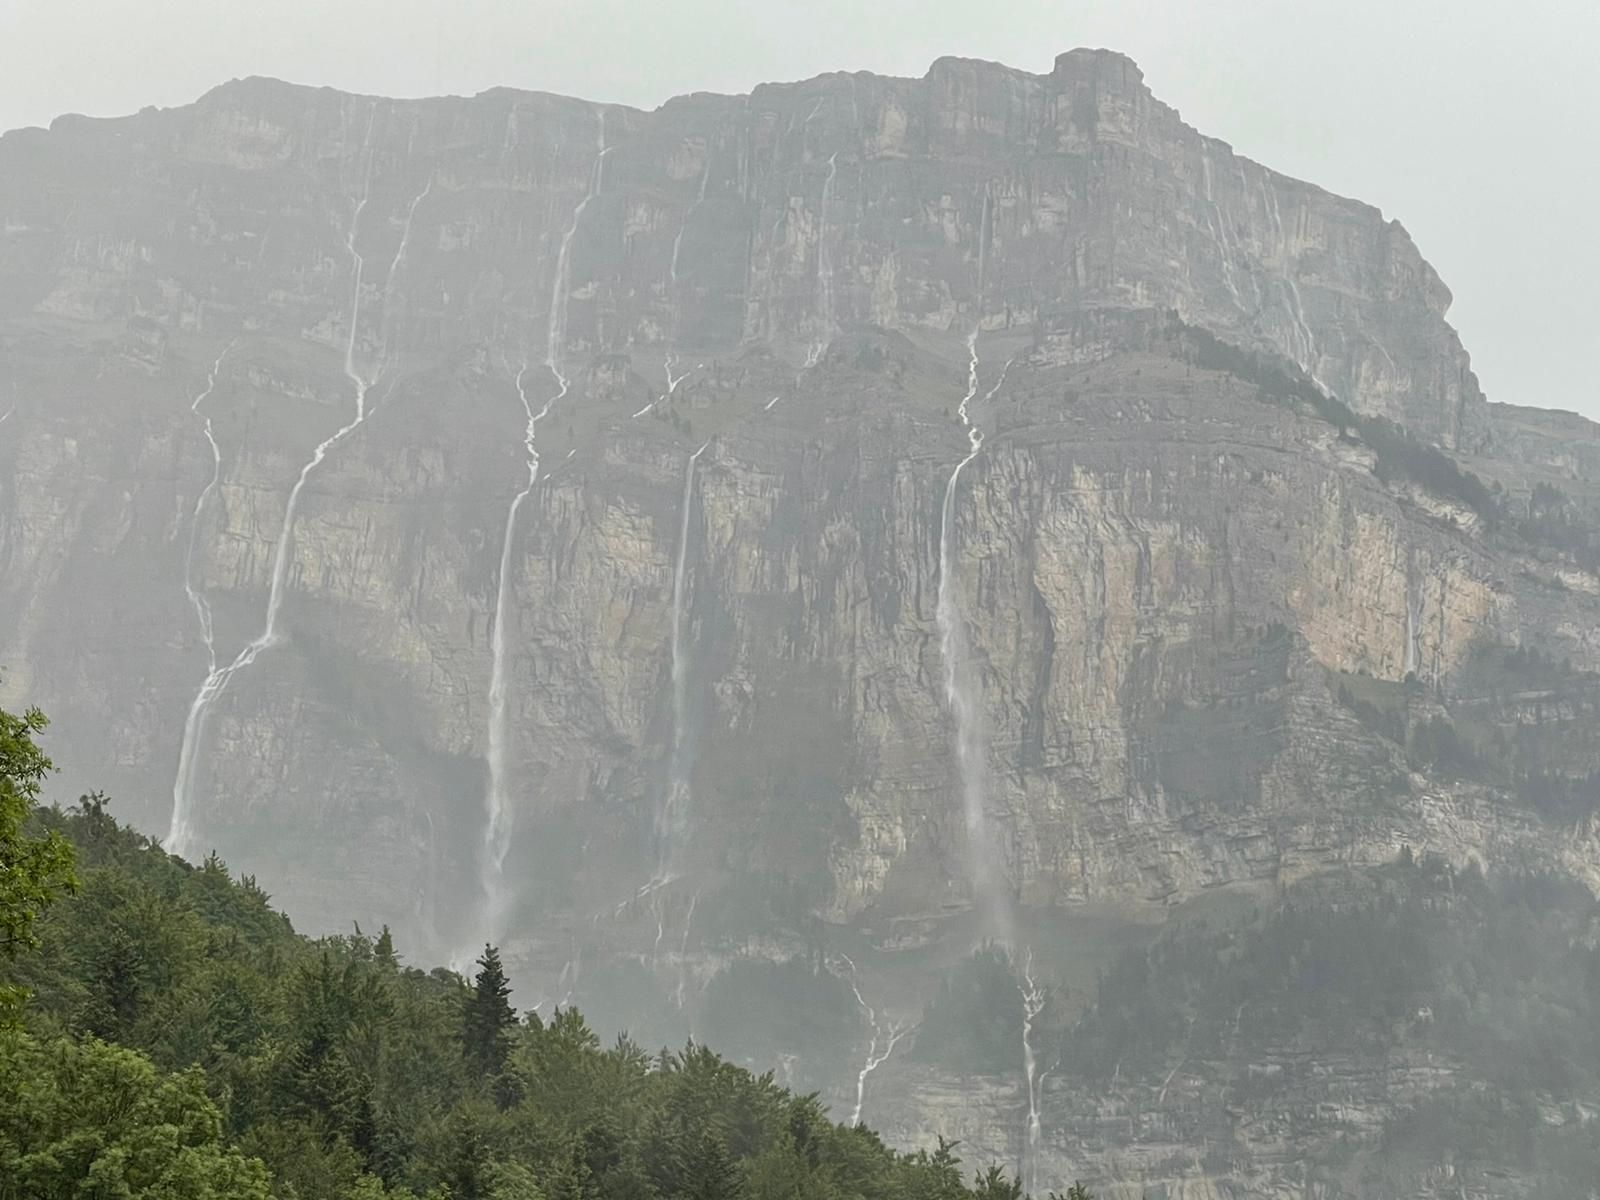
<point>183,1043</point>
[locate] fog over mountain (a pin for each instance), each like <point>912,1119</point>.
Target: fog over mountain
<point>961,590</point>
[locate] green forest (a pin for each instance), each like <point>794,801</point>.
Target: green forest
<point>165,1033</point>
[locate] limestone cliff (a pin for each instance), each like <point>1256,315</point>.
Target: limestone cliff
<point>1208,608</point>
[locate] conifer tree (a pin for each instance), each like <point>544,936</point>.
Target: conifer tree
<point>384,950</point>
<point>488,1018</point>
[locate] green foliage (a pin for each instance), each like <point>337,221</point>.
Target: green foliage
<point>35,871</point>
<point>488,1017</point>
<point>267,1064</point>
<point>83,1118</point>
<point>1400,455</point>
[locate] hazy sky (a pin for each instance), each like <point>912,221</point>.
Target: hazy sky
<point>1477,123</point>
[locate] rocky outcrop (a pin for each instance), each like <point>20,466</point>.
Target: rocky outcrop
<point>1173,567</point>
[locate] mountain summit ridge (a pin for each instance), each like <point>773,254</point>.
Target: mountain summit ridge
<point>778,537</point>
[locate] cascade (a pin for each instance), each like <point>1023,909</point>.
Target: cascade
<point>961,690</point>
<point>497,833</point>
<point>1033,999</point>
<point>1413,658</point>
<point>197,600</point>
<point>824,268</point>
<point>673,817</point>
<point>561,288</point>
<point>497,829</point>
<point>677,242</point>
<point>683,950</point>
<point>180,838</point>
<point>672,287</point>
<point>1304,350</point>
<point>887,1033</point>
<point>399,259</point>
<point>1219,229</point>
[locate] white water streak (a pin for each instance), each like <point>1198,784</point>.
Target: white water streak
<point>1161,1097</point>
<point>767,407</point>
<point>197,600</point>
<point>672,380</point>
<point>1304,349</point>
<point>561,287</point>
<point>683,949</point>
<point>497,829</point>
<point>674,814</point>
<point>672,287</point>
<point>824,268</point>
<point>1033,1001</point>
<point>1219,229</point>
<point>887,1032</point>
<point>999,383</point>
<point>181,834</point>
<point>677,242</point>
<point>661,929</point>
<point>672,384</point>
<point>497,834</point>
<point>399,258</point>
<point>961,693</point>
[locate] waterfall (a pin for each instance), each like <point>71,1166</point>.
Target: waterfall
<point>824,268</point>
<point>561,288</point>
<point>1033,999</point>
<point>1219,228</point>
<point>887,1032</point>
<point>1304,349</point>
<point>677,242</point>
<point>399,258</point>
<point>180,838</point>
<point>683,950</point>
<point>673,818</point>
<point>961,690</point>
<point>1410,664</point>
<point>497,834</point>
<point>672,286</point>
<point>963,696</point>
<point>497,828</point>
<point>197,599</point>
<point>672,384</point>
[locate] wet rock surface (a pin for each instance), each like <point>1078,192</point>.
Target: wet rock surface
<point>1205,620</point>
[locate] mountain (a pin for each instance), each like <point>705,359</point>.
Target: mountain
<point>744,556</point>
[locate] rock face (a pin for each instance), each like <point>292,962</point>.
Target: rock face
<point>1205,617</point>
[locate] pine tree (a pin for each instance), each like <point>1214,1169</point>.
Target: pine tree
<point>710,1172</point>
<point>488,1018</point>
<point>384,950</point>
